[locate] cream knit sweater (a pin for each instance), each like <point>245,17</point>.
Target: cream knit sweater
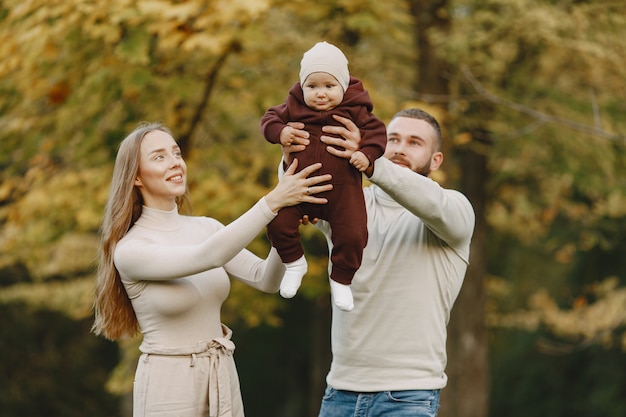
<point>413,267</point>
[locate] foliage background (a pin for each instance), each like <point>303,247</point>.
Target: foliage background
<point>534,90</point>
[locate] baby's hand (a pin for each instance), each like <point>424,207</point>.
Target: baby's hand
<point>291,135</point>
<point>286,136</point>
<point>359,161</point>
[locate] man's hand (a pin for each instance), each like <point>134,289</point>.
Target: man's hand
<point>305,220</point>
<point>350,137</point>
<point>349,141</point>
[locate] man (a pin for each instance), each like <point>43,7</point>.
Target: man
<point>389,353</point>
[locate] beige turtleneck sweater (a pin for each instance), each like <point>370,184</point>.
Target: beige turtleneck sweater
<point>176,272</point>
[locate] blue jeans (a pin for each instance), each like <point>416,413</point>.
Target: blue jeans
<point>414,403</point>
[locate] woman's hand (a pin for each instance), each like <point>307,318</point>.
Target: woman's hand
<point>295,188</point>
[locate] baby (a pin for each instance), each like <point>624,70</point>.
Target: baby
<point>326,89</point>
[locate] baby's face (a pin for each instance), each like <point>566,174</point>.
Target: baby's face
<point>322,91</point>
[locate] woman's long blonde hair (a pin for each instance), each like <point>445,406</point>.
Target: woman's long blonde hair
<point>114,314</point>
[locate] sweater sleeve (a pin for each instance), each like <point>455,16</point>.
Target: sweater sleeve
<point>273,122</point>
<point>143,259</point>
<point>448,213</point>
<point>262,274</point>
<point>373,137</point>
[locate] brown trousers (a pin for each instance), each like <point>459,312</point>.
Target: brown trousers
<point>345,212</point>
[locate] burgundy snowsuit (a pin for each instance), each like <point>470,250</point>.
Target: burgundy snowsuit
<point>345,211</point>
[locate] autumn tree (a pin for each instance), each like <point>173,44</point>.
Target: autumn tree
<point>75,77</point>
<point>536,90</point>
<point>530,93</point>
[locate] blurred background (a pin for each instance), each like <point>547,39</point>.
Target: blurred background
<point>532,98</point>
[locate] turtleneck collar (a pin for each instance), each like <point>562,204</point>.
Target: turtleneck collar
<point>159,219</point>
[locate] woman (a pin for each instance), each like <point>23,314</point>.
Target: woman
<point>166,275</point>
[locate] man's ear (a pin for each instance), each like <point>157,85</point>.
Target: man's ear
<point>436,160</point>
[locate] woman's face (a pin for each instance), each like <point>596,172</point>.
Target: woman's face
<point>162,172</point>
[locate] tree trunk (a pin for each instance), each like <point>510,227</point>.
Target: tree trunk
<point>321,355</point>
<point>432,70</point>
<point>467,392</point>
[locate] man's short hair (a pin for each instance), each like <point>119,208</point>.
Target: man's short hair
<point>415,113</point>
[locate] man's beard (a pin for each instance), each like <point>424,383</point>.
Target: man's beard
<point>425,170</point>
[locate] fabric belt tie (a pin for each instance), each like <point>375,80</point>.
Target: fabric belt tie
<point>220,404</point>
<point>217,350</point>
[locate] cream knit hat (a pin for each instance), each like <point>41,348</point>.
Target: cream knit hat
<point>324,57</point>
